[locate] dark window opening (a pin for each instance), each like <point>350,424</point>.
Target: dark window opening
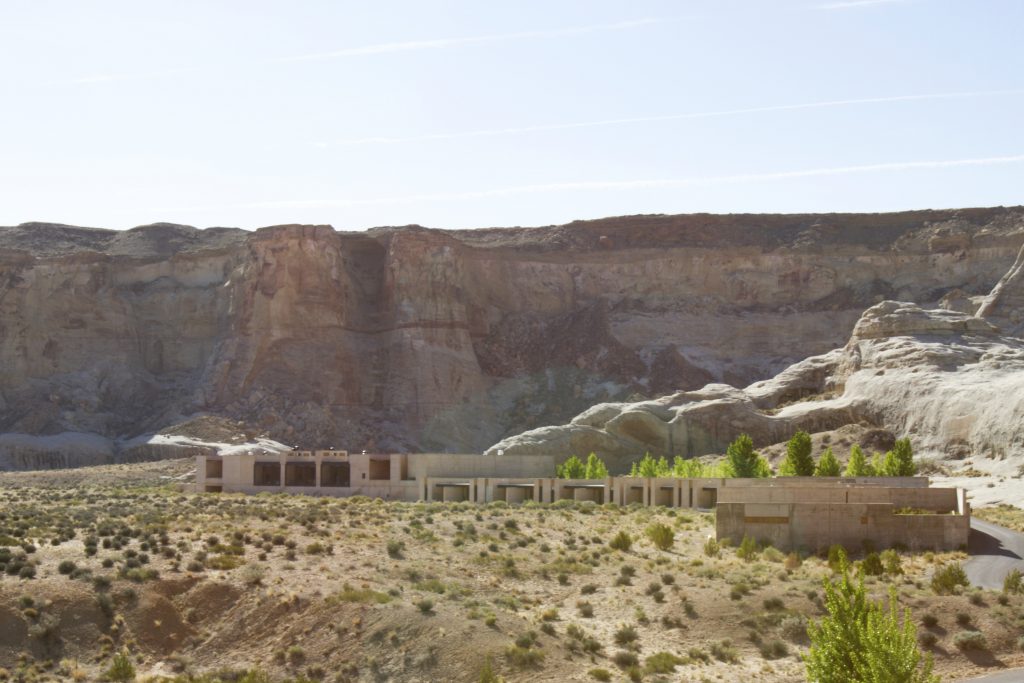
<point>214,468</point>
<point>300,474</point>
<point>335,474</point>
<point>266,474</point>
<point>380,470</point>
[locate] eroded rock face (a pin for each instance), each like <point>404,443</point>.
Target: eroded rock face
<point>1005,305</point>
<point>950,381</point>
<point>409,338</point>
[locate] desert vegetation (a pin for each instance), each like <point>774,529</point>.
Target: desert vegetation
<point>143,582</point>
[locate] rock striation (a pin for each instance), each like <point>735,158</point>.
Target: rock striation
<point>416,339</point>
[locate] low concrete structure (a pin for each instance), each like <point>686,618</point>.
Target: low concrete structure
<point>801,514</point>
<point>790,512</point>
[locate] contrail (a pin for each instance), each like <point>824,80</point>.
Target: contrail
<point>620,184</point>
<point>519,130</point>
<point>406,46</point>
<point>848,4</point>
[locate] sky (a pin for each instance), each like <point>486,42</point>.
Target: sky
<point>462,114</point>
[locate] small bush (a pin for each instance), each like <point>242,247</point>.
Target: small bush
<point>711,547</point>
<point>624,659</point>
<point>395,549</point>
<point>661,535</point>
<point>747,550</point>
<point>838,559</point>
<point>599,674</point>
<point>724,651</point>
<point>776,649</point>
<point>947,577</point>
<point>928,639</point>
<point>970,640</point>
<point>426,605</point>
<point>872,565</point>
<point>121,668</point>
<point>622,541</point>
<point>524,658</point>
<point>1013,582</point>
<point>625,635</point>
<point>662,663</point>
<point>792,562</point>
<point>66,567</point>
<point>929,620</point>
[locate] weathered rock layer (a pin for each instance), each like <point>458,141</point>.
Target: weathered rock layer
<point>409,338</point>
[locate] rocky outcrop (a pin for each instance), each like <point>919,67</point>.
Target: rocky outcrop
<point>951,382</point>
<point>416,339</point>
<point>1005,305</point>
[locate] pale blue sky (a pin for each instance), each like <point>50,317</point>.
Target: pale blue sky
<point>472,114</point>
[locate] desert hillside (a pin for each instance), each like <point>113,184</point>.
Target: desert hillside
<point>419,339</point>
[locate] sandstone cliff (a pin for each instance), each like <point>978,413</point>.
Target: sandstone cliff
<point>410,338</point>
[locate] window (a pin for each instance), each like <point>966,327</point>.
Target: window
<point>266,474</point>
<point>214,468</point>
<point>300,474</point>
<point>335,474</point>
<point>380,470</point>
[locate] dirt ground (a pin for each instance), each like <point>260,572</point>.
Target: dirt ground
<point>362,590</point>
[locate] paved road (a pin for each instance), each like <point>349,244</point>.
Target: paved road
<point>1010,676</point>
<point>994,551</point>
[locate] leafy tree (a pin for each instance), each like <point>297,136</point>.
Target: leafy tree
<point>571,469</point>
<point>690,469</point>
<point>828,466</point>
<point>899,462</point>
<point>860,640</point>
<point>858,465</point>
<point>596,468</point>
<point>743,461</point>
<point>798,461</point>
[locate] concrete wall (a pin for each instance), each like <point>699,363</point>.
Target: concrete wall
<point>818,518</point>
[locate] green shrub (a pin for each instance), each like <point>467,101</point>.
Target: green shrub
<point>66,567</point>
<point>1012,582</point>
<point>711,547</point>
<point>426,605</point>
<point>970,640</point>
<point>395,549</point>
<point>624,659</point>
<point>121,668</point>
<point>625,635</point>
<point>724,651</point>
<point>622,541</point>
<point>859,640</point>
<point>572,468</point>
<point>599,674</point>
<point>891,561</point>
<point>661,535</point>
<point>871,565</point>
<point>947,577</point>
<point>775,649</point>
<point>838,560</point>
<point>523,657</point>
<point>662,663</point>
<point>748,549</point>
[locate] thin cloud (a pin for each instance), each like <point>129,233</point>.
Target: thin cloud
<point>441,43</point>
<point>519,130</point>
<point>851,4</point>
<point>406,46</point>
<point>639,184</point>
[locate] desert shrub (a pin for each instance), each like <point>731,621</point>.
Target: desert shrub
<point>747,550</point>
<point>1013,582</point>
<point>772,554</point>
<point>358,595</point>
<point>711,547</point>
<point>585,609</point>
<point>625,635</point>
<point>963,618</point>
<point>599,674</point>
<point>661,535</point>
<point>66,567</point>
<point>523,657</point>
<point>859,640</point>
<point>792,562</point>
<point>891,560</point>
<point>662,663</point>
<point>871,565</point>
<point>121,668</point>
<point>976,598</point>
<point>526,640</point>
<point>425,605</point>
<point>928,639</point>
<point>774,649</point>
<point>947,577</point>
<point>624,659</point>
<point>622,541</point>
<point>588,589</point>
<point>773,604</point>
<point>970,640</point>
<point>724,651</point>
<point>794,628</point>
<point>929,620</point>
<point>838,560</point>
<point>395,549</point>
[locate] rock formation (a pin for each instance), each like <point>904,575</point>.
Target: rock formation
<point>418,339</point>
<point>950,381</point>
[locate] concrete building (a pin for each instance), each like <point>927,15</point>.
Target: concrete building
<point>790,512</point>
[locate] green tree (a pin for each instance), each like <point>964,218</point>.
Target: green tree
<point>860,640</point>
<point>742,461</point>
<point>596,468</point>
<point>690,469</point>
<point>858,465</point>
<point>899,462</point>
<point>571,469</point>
<point>798,461</point>
<point>828,466</point>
